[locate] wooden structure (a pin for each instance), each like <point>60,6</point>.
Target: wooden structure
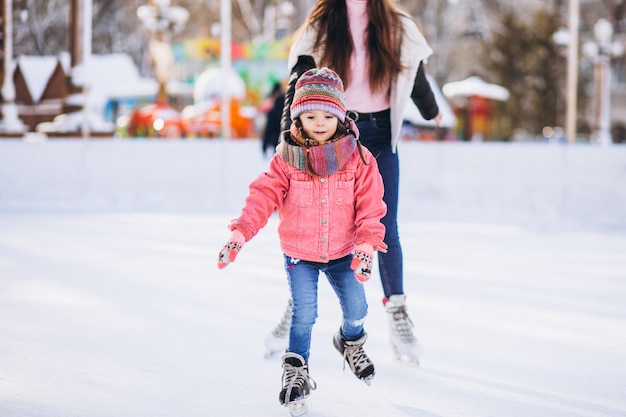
<point>39,97</point>
<point>35,105</point>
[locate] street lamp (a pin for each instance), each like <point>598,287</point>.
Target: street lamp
<point>601,52</point>
<point>162,20</point>
<point>284,18</point>
<point>561,39</point>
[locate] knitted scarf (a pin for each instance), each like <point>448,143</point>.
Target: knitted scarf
<point>325,159</point>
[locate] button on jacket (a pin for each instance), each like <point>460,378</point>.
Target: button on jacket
<point>321,218</point>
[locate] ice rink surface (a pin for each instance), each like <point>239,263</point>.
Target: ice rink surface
<point>127,315</point>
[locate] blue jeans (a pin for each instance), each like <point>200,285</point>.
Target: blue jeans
<point>303,278</point>
<point>376,136</point>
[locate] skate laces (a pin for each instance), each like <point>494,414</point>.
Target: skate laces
<point>402,324</point>
<point>282,329</point>
<point>296,377</point>
<point>356,358</point>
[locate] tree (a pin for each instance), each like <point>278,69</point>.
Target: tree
<point>116,28</point>
<point>41,27</point>
<point>523,57</point>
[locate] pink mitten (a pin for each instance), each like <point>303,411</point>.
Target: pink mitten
<point>231,249</point>
<point>362,262</point>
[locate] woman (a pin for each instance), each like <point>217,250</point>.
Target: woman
<point>378,51</point>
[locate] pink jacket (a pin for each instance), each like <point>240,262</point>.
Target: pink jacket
<point>321,218</point>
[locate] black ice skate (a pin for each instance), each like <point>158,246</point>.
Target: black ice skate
<point>296,384</point>
<point>355,356</point>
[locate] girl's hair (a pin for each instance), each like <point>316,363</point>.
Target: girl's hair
<point>343,129</point>
<point>383,39</point>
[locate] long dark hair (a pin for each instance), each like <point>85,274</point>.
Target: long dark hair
<point>383,39</point>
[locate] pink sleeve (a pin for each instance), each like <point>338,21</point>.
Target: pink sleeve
<point>266,195</point>
<point>370,207</point>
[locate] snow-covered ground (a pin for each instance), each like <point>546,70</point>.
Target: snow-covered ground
<point>124,313</point>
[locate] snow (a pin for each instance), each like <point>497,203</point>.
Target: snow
<point>109,311</point>
<point>476,86</point>
<point>110,76</point>
<point>37,71</point>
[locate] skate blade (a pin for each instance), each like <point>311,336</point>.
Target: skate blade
<point>298,407</point>
<point>414,362</point>
<point>406,359</point>
<point>368,380</point>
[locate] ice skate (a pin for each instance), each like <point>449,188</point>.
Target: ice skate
<point>278,340</point>
<point>355,356</point>
<point>405,346</point>
<point>296,384</point>
<point>298,407</point>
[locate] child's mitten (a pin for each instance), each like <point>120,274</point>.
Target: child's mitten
<point>362,262</point>
<point>231,249</point>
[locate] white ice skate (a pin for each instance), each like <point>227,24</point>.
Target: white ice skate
<point>405,347</point>
<point>278,340</point>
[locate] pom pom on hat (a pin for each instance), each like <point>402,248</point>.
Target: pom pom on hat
<point>319,89</point>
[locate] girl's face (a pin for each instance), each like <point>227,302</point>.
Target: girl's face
<point>319,125</point>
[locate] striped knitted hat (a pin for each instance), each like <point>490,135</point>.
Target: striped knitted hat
<point>319,89</point>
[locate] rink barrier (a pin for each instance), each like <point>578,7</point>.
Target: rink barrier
<point>539,185</point>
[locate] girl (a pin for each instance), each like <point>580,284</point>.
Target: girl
<point>328,194</point>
